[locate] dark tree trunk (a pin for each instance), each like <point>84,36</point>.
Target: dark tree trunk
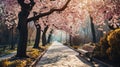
<point>93,30</point>
<point>70,37</point>
<point>70,40</point>
<point>49,37</point>
<point>66,37</point>
<point>44,42</point>
<point>22,27</point>
<point>22,45</point>
<point>29,41</point>
<point>38,33</point>
<point>12,40</point>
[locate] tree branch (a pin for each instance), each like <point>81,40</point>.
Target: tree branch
<point>56,27</point>
<point>48,13</point>
<point>21,2</point>
<point>41,30</point>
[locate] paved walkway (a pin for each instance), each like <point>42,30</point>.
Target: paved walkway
<point>59,55</point>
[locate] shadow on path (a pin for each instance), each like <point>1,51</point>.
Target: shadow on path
<point>59,55</point>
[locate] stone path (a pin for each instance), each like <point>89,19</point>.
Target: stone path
<point>59,55</point>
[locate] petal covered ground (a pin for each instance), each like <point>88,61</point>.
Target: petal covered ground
<point>59,55</point>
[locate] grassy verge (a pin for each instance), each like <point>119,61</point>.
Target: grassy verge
<point>6,52</point>
<point>24,62</point>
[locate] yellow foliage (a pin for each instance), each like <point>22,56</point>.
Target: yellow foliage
<point>104,46</point>
<point>44,47</point>
<point>109,45</point>
<point>114,42</point>
<point>97,50</point>
<point>29,60</point>
<point>20,63</point>
<point>114,37</point>
<point>5,63</point>
<point>34,53</point>
<point>15,63</point>
<point>108,53</point>
<point>75,46</point>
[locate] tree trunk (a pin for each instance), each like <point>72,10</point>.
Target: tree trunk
<point>66,37</point>
<point>93,30</point>
<point>70,39</point>
<point>22,45</point>
<point>44,36</point>
<point>49,37</point>
<point>38,33</point>
<point>12,40</point>
<point>22,27</point>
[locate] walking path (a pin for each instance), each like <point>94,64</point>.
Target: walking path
<point>59,55</point>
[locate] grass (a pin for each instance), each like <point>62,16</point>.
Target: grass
<point>31,43</point>
<point>24,62</point>
<point>6,52</point>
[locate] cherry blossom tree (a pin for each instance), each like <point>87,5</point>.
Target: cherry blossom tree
<point>106,10</point>
<point>67,15</point>
<point>24,16</point>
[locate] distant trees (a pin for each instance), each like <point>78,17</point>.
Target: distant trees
<point>8,35</point>
<point>44,41</point>
<point>4,34</point>
<point>50,35</point>
<point>93,30</point>
<point>8,31</point>
<point>14,36</point>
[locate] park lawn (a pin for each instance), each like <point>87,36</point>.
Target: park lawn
<point>6,52</point>
<point>24,62</point>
